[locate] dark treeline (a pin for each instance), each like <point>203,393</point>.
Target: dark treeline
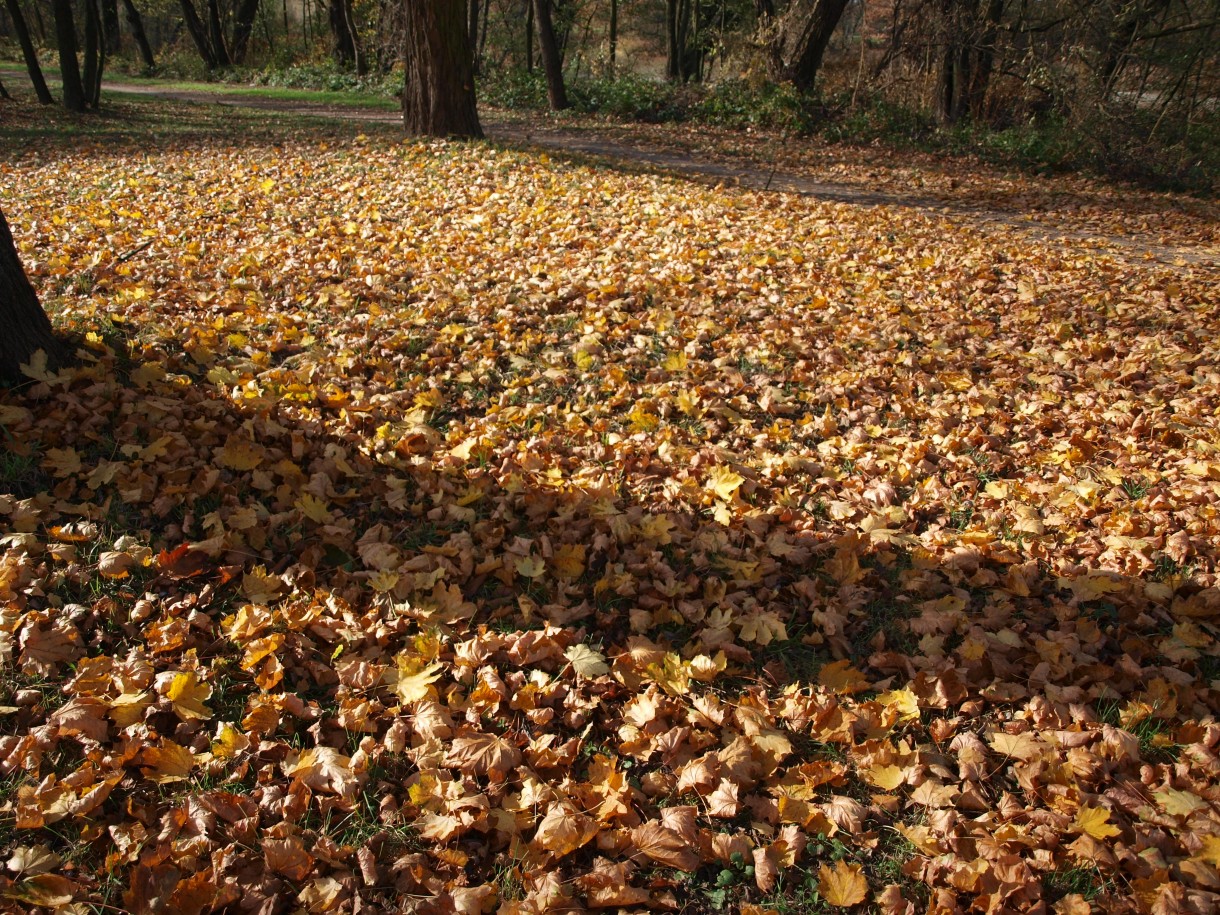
<point>1149,64</point>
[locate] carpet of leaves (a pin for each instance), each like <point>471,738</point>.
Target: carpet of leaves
<point>438,528</point>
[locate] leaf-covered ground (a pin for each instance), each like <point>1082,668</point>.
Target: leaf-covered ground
<point>439,527</point>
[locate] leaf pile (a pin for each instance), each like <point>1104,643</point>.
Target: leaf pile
<point>443,528</point>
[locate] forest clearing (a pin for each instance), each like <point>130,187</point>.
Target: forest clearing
<point>462,526</point>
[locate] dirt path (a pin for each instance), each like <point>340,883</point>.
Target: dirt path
<point>1130,227</point>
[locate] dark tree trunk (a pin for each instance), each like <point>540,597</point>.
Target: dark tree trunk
<point>551,61</point>
<point>24,326</point>
<point>28,51</point>
<point>216,35</point>
<point>613,34</point>
<point>199,34</point>
<point>984,61</point>
<point>472,27</point>
<point>243,28</point>
<point>136,24</point>
<point>343,33</point>
<point>4,92</point>
<point>69,67</point>
<point>95,56</point>
<point>438,98</point>
<point>800,39</point>
<point>529,36</point>
<point>110,27</point>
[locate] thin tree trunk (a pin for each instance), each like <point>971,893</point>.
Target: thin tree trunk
<point>438,96</point>
<point>94,55</point>
<point>199,34</point>
<point>216,35</point>
<point>243,28</point>
<point>136,24</point>
<point>110,27</point>
<point>339,15</point>
<point>613,34</point>
<point>24,326</point>
<point>529,36</point>
<point>551,61</point>
<point>801,38</point>
<point>69,66</point>
<point>28,51</point>
<point>4,92</point>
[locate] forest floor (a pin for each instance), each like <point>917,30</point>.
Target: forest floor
<point>1092,214</point>
<point>466,527</point>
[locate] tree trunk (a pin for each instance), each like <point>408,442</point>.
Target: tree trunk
<point>438,97</point>
<point>24,326</point>
<point>110,27</point>
<point>216,35</point>
<point>69,67</point>
<point>800,40</point>
<point>472,27</point>
<point>28,51</point>
<point>551,61</point>
<point>613,34</point>
<point>346,48</point>
<point>243,28</point>
<point>199,34</point>
<point>136,24</point>
<point>95,55</point>
<point>4,92</point>
<point>529,36</point>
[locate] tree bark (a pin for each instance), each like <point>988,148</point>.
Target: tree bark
<point>551,62</point>
<point>438,96</point>
<point>110,27</point>
<point>346,48</point>
<point>800,40</point>
<point>216,35</point>
<point>69,66</point>
<point>95,55</point>
<point>243,28</point>
<point>24,326</point>
<point>136,24</point>
<point>28,52</point>
<point>199,34</point>
<point>613,34</point>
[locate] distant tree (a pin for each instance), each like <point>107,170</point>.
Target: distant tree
<point>28,52</point>
<point>24,326</point>
<point>797,37</point>
<point>552,62</point>
<point>136,25</point>
<point>69,66</point>
<point>438,97</point>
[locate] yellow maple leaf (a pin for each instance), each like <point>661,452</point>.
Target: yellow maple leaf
<point>63,462</point>
<point>531,566</point>
<point>844,885</point>
<point>169,762</point>
<point>841,677</point>
<point>570,560</point>
<point>675,362</point>
<point>902,703</point>
<point>1178,803</point>
<point>415,683</point>
<point>260,586</point>
<point>1210,852</point>
<point>587,662</point>
<point>240,454</point>
<point>187,694</point>
<point>723,481</point>
<point>887,778</point>
<point>1096,822</point>
<point>313,508</point>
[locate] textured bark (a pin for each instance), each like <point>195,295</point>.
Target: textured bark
<point>243,28</point>
<point>110,27</point>
<point>551,62</point>
<point>95,55</point>
<point>199,34</point>
<point>69,67</point>
<point>799,39</point>
<point>438,97</point>
<point>136,24</point>
<point>28,52</point>
<point>343,34</point>
<point>24,326</point>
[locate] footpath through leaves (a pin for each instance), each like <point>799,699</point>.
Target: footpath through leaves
<point>440,528</point>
